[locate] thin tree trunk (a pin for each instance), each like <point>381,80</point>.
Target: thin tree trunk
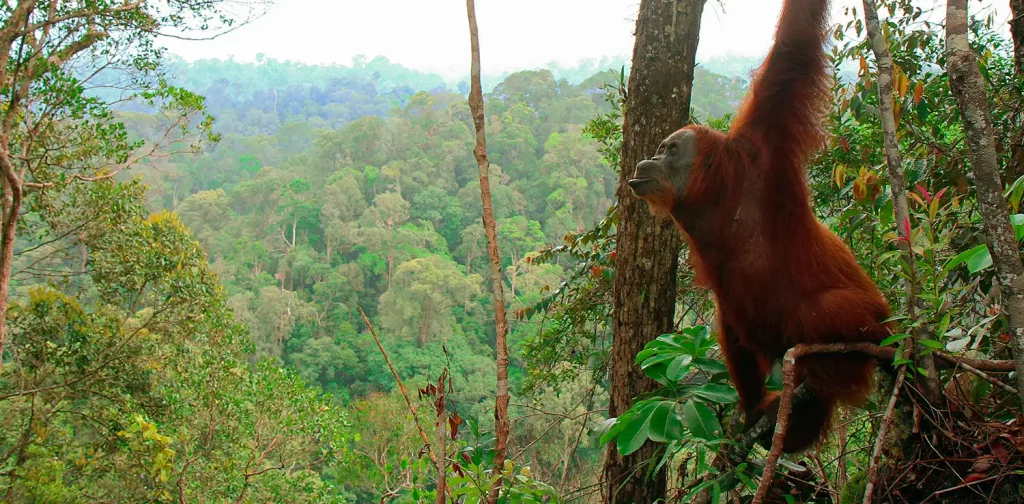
<point>897,182</point>
<point>501,399</point>
<point>968,88</point>
<point>442,438</point>
<point>646,264</point>
<point>11,183</point>
<point>8,221</point>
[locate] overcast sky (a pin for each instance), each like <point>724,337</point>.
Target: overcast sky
<point>432,35</point>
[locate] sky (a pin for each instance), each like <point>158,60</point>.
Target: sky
<point>433,35</point>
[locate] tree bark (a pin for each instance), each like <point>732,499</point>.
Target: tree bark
<point>647,248</point>
<point>1016,168</point>
<point>1017,32</point>
<point>442,438</point>
<point>501,399</point>
<point>968,88</point>
<point>10,182</point>
<point>897,183</point>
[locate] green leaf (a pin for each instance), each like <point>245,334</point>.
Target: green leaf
<point>700,334</point>
<point>930,343</point>
<point>1017,221</point>
<point>656,359</point>
<point>636,431</point>
<point>701,421</point>
<point>678,368</point>
<point>664,425</point>
<point>709,365</point>
<point>717,392</point>
<point>943,324</point>
<point>616,425</point>
<point>894,339</point>
<point>979,261</point>
<point>962,257</point>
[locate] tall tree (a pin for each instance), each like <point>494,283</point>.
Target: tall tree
<point>647,248</point>
<point>968,87</point>
<point>501,399</point>
<point>1017,32</point>
<point>45,49</point>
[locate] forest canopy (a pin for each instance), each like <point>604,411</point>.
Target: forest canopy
<point>189,249</point>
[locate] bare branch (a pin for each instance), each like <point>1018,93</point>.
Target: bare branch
<point>882,431</point>
<point>401,387</point>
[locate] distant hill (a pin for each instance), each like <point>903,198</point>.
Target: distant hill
<point>258,97</point>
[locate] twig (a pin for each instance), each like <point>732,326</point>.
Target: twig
<point>965,485</point>
<point>401,386</point>
<point>782,423</point>
<point>442,483</point>
<point>824,477</point>
<point>873,466</point>
<point>986,377</point>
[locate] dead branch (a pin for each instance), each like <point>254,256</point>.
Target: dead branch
<point>401,387</point>
<point>880,441</point>
<point>986,377</point>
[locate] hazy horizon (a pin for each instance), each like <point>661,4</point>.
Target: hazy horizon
<point>433,37</point>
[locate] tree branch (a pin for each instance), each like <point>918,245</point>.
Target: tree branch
<point>401,387</point>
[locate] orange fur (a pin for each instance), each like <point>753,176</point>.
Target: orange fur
<point>779,276</point>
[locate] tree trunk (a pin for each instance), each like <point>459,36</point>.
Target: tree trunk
<point>295,225</point>
<point>968,88</point>
<point>8,224</point>
<point>501,399</point>
<point>1016,168</point>
<point>658,103</point>
<point>1017,32</point>
<point>929,383</point>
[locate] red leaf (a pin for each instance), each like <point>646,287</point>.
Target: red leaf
<point>924,192</point>
<point>939,194</point>
<point>453,426</point>
<point>906,229</point>
<point>971,478</point>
